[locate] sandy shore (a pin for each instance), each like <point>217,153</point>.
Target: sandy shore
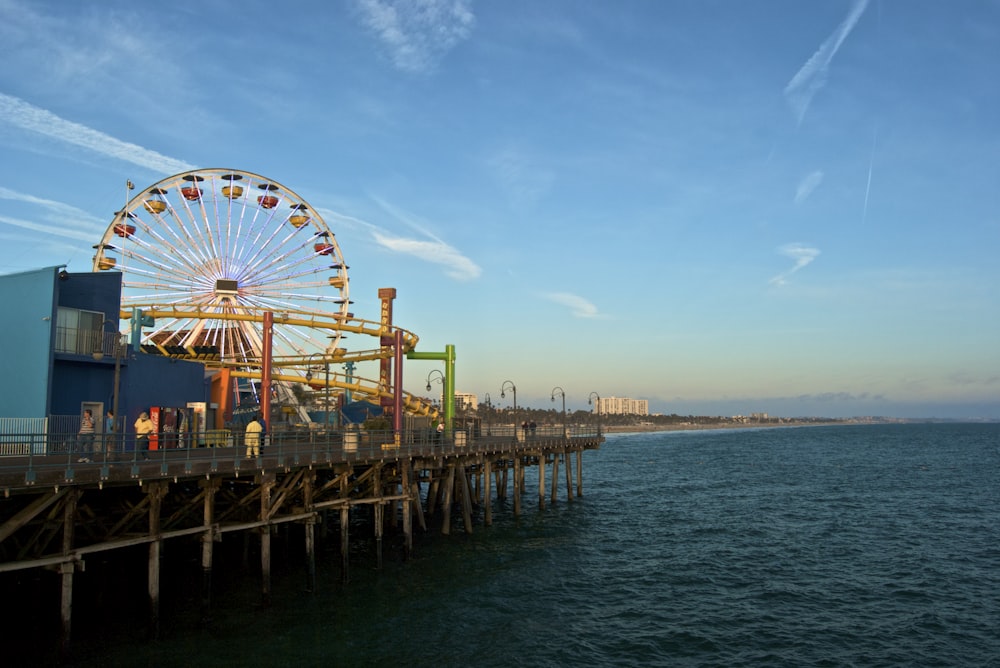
<point>619,429</point>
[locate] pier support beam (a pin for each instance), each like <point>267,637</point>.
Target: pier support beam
<point>66,571</point>
<point>569,475</point>
<point>555,476</point>
<point>404,484</point>
<point>541,481</point>
<point>209,488</point>
<point>487,505</point>
<point>517,486</point>
<point>446,501</point>
<point>156,492</point>
<point>579,473</point>
<point>267,485</point>
<point>466,499</point>
<point>308,486</point>
<point>345,545</point>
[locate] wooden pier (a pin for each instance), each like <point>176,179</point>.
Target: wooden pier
<point>57,512</point>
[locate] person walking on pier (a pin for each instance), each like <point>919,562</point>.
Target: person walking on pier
<point>110,437</point>
<point>86,435</point>
<point>252,437</point>
<point>143,428</point>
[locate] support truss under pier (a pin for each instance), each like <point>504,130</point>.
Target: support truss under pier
<point>57,512</point>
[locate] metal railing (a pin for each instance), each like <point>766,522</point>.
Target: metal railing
<point>36,454</point>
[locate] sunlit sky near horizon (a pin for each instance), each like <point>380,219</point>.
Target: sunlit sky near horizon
<point>723,207</point>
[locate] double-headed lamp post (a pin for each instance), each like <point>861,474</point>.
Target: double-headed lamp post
<point>598,405</point>
<point>513,388</point>
<point>326,393</point>
<point>489,409</point>
<point>558,390</point>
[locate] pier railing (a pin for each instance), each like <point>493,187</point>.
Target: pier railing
<point>36,455</point>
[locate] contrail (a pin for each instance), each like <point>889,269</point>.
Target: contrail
<point>868,187</point>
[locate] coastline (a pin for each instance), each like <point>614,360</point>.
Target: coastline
<point>690,426</point>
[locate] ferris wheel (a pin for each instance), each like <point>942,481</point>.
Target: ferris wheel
<point>214,247</point>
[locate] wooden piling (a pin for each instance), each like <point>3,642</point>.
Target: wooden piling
<point>466,499</point>
<point>66,571</point>
<point>517,486</point>
<point>541,481</point>
<point>555,476</point>
<point>265,539</point>
<point>156,491</point>
<point>487,505</point>
<point>308,484</point>
<point>209,488</point>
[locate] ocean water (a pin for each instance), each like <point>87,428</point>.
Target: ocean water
<point>812,546</point>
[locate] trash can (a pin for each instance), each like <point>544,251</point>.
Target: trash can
<point>350,440</point>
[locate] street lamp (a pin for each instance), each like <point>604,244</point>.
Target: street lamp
<point>489,409</point>
<point>513,388</point>
<point>589,402</point>
<point>326,392</point>
<point>439,379</point>
<point>98,355</point>
<point>560,391</point>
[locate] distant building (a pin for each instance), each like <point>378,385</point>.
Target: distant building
<point>64,354</point>
<point>465,401</point>
<point>621,406</point>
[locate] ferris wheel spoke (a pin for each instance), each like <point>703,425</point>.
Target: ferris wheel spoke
<point>176,227</point>
<point>166,262</point>
<point>302,266</point>
<point>279,252</point>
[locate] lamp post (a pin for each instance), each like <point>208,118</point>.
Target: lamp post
<point>560,391</point>
<point>98,355</point>
<point>592,395</point>
<point>444,417</point>
<point>489,409</point>
<point>513,388</point>
<point>439,379</point>
<point>326,389</point>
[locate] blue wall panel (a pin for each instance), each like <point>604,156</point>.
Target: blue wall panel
<point>28,330</point>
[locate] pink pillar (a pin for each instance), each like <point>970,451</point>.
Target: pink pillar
<point>265,371</point>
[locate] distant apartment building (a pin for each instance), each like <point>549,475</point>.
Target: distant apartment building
<point>465,401</point>
<point>621,406</point>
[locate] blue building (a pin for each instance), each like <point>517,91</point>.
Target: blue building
<point>64,353</point>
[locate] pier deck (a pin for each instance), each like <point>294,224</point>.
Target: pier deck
<point>57,511</point>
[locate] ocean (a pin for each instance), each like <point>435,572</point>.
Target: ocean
<point>854,545</point>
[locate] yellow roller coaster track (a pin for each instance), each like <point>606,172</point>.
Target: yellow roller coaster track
<point>247,369</point>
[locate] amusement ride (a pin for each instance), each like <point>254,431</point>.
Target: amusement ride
<point>237,271</point>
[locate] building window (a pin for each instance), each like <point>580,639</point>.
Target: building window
<point>78,331</point>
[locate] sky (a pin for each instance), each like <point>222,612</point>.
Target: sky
<point>723,207</point>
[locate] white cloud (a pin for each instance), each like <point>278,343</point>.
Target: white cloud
<point>580,307</point>
<point>431,250</point>
<point>807,185</point>
<point>48,230</point>
<point>811,77</point>
<point>26,116</point>
<point>802,255</point>
<point>418,32</point>
<point>436,252</point>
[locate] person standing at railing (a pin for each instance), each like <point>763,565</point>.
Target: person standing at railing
<point>110,436</point>
<point>86,435</point>
<point>143,428</point>
<point>252,437</point>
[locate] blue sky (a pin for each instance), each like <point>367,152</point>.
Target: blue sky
<point>722,207</point>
